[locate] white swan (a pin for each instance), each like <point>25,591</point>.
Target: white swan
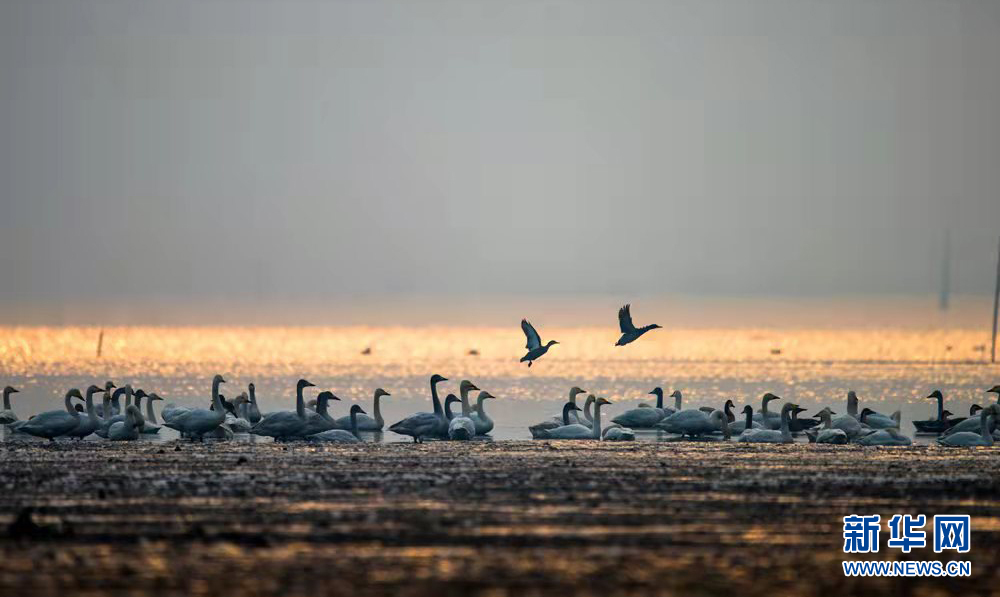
<point>664,411</point>
<point>769,420</point>
<point>576,430</point>
<point>885,437</point>
<point>320,420</point>
<point>970,424</point>
<point>642,418</point>
<point>617,433</point>
<point>239,423</point>
<point>103,407</point>
<point>285,424</point>
<point>253,411</point>
<point>127,429</point>
<point>462,427</point>
<point>968,438</point>
<point>873,420</point>
<point>738,427</point>
<point>7,415</point>
<point>534,344</point>
<point>771,436</point>
<point>557,420</point>
<point>196,422</point>
<point>366,423</point>
<point>484,424</point>
<point>588,405</point>
<point>538,430</point>
<point>339,435</point>
<point>54,423</point>
<point>90,423</point>
<point>694,422</point>
<point>827,435</point>
<point>423,425</point>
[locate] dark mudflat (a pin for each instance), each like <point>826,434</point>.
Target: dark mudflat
<point>519,518</point>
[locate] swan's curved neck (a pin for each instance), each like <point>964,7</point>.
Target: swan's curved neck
<point>253,396</point>
<point>852,406</point>
<point>69,405</point>
<point>150,413</point>
<point>216,400</point>
<point>354,421</point>
<point>749,424</point>
<point>659,399</point>
<point>985,429</point>
<point>566,410</point>
<point>435,399</point>
<point>597,422</point>
<point>786,433</point>
<point>6,399</point>
<point>481,408</point>
<point>447,410</point>
<point>827,420</point>
<point>940,400</point>
<point>677,401</point>
<point>378,411</point>
<point>763,408</point>
<point>466,409</point>
<point>586,411</point>
<point>300,404</point>
<point>91,413</point>
<point>106,405</point>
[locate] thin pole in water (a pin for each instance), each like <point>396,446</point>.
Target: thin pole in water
<point>100,342</point>
<point>996,302</point>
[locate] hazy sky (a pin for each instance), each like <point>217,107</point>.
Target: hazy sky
<point>196,148</point>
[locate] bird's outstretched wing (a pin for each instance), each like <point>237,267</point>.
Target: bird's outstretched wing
<point>529,331</point>
<point>625,319</point>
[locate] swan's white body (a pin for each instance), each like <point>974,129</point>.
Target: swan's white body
<point>767,419</point>
<point>341,436</point>
<point>827,435</point>
<point>693,422</point>
<point>89,423</point>
<point>484,424</point>
<point>617,433</point>
<point>127,429</point>
<point>422,425</point>
<point>771,436</point>
<point>284,424</point>
<point>197,422</point>
<point>54,423</point>
<point>884,437</point>
<point>366,423</point>
<point>577,430</point>
<point>970,439</point>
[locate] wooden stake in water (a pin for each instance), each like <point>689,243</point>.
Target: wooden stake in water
<point>100,342</point>
<point>996,301</point>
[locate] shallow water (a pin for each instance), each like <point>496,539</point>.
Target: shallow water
<point>889,367</point>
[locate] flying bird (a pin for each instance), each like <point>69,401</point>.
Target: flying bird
<point>629,332</point>
<point>534,345</point>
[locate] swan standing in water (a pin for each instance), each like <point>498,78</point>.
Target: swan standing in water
<point>340,435</point>
<point>630,333</point>
<point>767,419</point>
<point>968,438</point>
<point>885,437</point>
<point>939,423</point>
<point>54,423</point>
<point>617,433</point>
<point>534,344</point>
<point>422,425</point>
<point>694,422</point>
<point>771,436</point>
<point>239,423</point>
<point>90,423</point>
<point>253,411</point>
<point>665,411</point>
<point>576,430</point>
<point>642,417</point>
<point>195,423</point>
<point>557,420</point>
<point>569,409</point>
<point>107,422</point>
<point>484,424</point>
<point>366,423</point>
<point>738,427</point>
<point>970,424</point>
<point>101,409</point>
<point>827,435</point>
<point>128,429</point>
<point>284,424</point>
<point>319,421</point>
<point>7,415</point>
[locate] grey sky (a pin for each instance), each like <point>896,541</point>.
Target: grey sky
<point>197,148</point>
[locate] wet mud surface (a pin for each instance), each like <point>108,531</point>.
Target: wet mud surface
<point>517,518</point>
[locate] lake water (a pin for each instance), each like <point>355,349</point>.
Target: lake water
<point>892,363</point>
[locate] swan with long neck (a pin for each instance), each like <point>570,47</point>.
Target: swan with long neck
<point>102,409</point>
<point>569,409</point>
<point>970,424</point>
<point>366,423</point>
<point>127,429</point>
<point>54,423</point>
<point>339,435</point>
<point>421,425</point>
<point>577,430</point>
<point>556,420</point>
<point>151,425</point>
<point>107,422</point>
<point>319,421</point>
<point>772,436</point>
<point>90,423</point>
<point>827,435</point>
<point>766,418</point>
<point>968,438</point>
<point>643,417</point>
<point>694,422</point>
<point>738,427</point>
<point>285,424</point>
<point>484,424</point>
<point>940,423</point>
<point>196,422</point>
<point>253,411</point>
<point>7,415</point>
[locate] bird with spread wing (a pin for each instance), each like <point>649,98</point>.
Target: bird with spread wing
<point>534,345</point>
<point>630,333</point>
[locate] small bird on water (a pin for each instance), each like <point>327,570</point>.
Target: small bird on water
<point>534,345</point>
<point>629,332</point>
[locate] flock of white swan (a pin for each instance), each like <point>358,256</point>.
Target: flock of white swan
<point>311,421</point>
